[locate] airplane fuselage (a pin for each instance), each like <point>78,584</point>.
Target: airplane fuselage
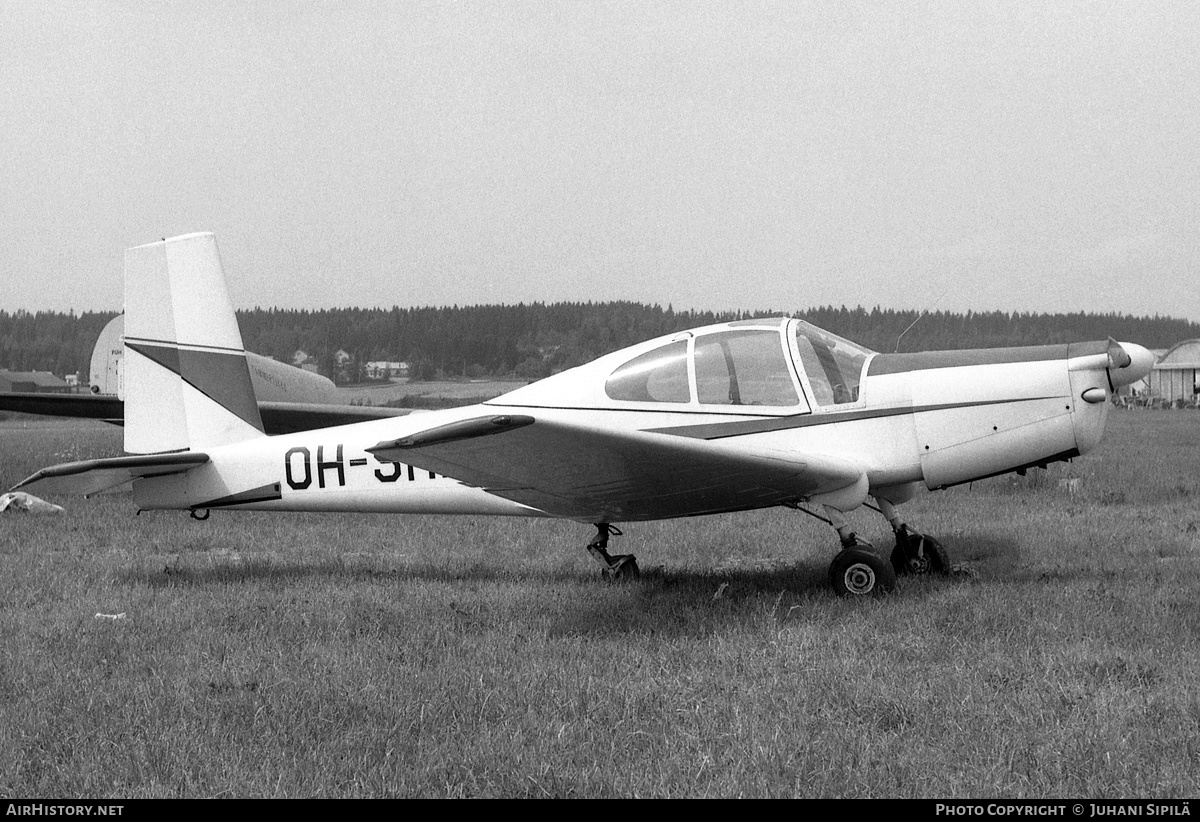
<point>742,415</point>
<point>936,419</point>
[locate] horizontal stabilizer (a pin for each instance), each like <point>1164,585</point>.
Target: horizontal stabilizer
<point>89,477</point>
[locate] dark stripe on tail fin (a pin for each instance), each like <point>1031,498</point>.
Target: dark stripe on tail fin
<point>222,376</point>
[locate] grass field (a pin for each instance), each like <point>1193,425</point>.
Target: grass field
<point>331,655</point>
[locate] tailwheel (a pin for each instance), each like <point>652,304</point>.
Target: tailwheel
<point>616,568</point>
<point>861,572</point>
<point>919,554</point>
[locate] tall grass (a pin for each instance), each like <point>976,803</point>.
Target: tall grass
<point>337,655</point>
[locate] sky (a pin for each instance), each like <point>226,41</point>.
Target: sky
<point>1013,156</point>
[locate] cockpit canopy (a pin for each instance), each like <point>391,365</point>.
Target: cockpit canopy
<point>773,363</point>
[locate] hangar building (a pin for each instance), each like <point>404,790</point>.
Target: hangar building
<point>1176,375</point>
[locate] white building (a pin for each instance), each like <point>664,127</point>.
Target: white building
<point>381,370</point>
<point>1176,375</point>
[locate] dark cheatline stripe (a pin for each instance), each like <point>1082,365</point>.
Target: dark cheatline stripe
<point>717,430</point>
<point>265,493</point>
<point>223,377</point>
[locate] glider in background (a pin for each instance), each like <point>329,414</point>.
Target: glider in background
<point>289,398</point>
<point>738,416</point>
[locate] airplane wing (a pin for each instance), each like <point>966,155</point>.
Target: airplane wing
<point>277,417</point>
<point>290,417</point>
<point>606,475</point>
<point>90,406</point>
<point>90,477</point>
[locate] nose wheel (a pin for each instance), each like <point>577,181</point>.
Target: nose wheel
<point>918,554</point>
<point>615,568</point>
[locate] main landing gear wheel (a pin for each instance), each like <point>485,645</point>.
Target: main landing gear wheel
<point>861,572</point>
<point>919,554</point>
<point>616,568</point>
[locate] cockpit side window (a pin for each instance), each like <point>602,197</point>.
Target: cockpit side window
<point>743,368</point>
<point>660,375</point>
<point>833,365</point>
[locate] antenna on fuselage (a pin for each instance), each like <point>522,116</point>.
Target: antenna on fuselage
<point>924,311</point>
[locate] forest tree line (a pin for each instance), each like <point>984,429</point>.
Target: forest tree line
<point>535,340</point>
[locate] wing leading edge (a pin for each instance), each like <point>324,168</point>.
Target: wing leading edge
<point>606,475</point>
<point>84,406</point>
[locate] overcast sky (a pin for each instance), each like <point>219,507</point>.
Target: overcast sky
<point>960,155</point>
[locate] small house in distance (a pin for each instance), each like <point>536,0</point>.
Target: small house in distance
<point>382,370</point>
<point>302,359</point>
<point>1175,378</point>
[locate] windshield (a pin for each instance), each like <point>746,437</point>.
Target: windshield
<point>834,366</point>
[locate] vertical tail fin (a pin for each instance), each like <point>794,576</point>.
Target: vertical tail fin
<point>186,382</point>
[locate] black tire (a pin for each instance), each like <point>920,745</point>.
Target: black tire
<point>919,555</point>
<point>859,572</point>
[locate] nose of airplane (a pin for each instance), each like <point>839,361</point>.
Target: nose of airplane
<point>1135,364</point>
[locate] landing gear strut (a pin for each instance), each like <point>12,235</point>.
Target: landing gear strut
<point>918,554</point>
<point>915,554</point>
<point>858,570</point>
<point>619,567</point>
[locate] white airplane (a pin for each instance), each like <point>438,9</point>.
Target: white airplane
<point>289,398</point>
<point>737,416</point>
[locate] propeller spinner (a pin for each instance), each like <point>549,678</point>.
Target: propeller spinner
<point>1127,363</point>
